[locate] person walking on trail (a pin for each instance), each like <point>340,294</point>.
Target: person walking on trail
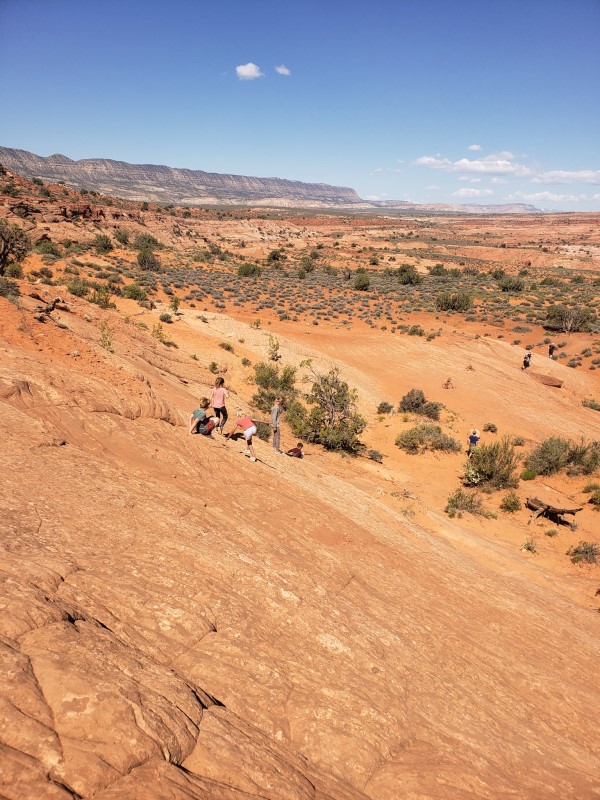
<point>276,412</point>
<point>551,349</point>
<point>217,399</point>
<point>526,360</point>
<point>473,440</point>
<point>247,425</point>
<point>200,422</point>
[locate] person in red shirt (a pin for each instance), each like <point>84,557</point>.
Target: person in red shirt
<point>296,452</point>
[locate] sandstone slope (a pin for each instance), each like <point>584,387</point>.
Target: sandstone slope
<point>178,622</point>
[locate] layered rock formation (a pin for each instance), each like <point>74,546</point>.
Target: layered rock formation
<point>170,185</point>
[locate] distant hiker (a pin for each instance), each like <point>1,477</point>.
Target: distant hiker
<point>199,421</point>
<point>217,400</point>
<point>526,360</point>
<point>448,384</point>
<point>296,452</point>
<point>248,427</point>
<point>473,440</point>
<point>276,412</point>
<point>551,349</point>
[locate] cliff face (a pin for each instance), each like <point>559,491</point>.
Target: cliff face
<point>171,185</point>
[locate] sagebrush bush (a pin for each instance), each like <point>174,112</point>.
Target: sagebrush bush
<point>8,288</point>
<point>415,401</point>
<point>385,408</point>
<point>426,437</point>
<point>492,465</point>
<point>464,501</point>
<point>510,503</point>
<point>555,454</point>
<point>586,552</point>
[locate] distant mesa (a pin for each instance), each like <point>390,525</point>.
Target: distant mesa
<point>161,184</point>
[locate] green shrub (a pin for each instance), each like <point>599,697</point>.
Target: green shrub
<point>510,503</point>
<point>122,236</point>
<point>587,403</point>
<point>148,260</point>
<point>101,297</point>
<point>333,420</point>
<point>226,346</point>
<point>489,427</point>
<point>165,317</point>
<point>375,455</point>
<point>362,282</point>
<point>385,408</point>
<point>263,431</point>
<point>492,465</point>
<point>134,291</point>
<point>453,301</point>
<point>273,381</point>
<point>48,248</point>
<point>415,402</point>
<point>555,454</point>
<point>586,552</point>
<point>14,270</point>
<point>248,270</point>
<point>529,545</point>
<point>145,241</point>
<point>14,244</point>
<point>595,498</point>
<point>590,487</point>
<point>8,289</point>
<point>518,441</point>
<point>426,437</point>
<point>213,367</point>
<point>103,244</point>
<point>512,284</point>
<point>78,287</point>
<point>528,475</point>
<point>464,501</point>
<point>567,318</point>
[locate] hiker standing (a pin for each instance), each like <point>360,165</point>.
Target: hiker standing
<point>217,399</point>
<point>276,412</point>
<point>526,360</point>
<point>472,441</point>
<point>551,349</point>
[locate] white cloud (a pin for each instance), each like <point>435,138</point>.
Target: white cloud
<point>564,176</point>
<point>494,164</point>
<point>248,72</point>
<point>474,147</point>
<point>498,181</point>
<point>372,197</point>
<point>468,178</point>
<point>536,197</point>
<point>283,70</point>
<point>466,192</point>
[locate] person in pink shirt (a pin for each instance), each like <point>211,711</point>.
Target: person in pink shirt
<point>248,427</point>
<point>217,400</point>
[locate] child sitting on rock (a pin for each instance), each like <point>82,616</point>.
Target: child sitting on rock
<point>296,452</point>
<point>199,421</point>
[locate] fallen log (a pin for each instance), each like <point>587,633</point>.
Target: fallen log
<point>553,513</point>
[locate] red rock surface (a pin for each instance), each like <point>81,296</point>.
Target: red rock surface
<point>179,622</point>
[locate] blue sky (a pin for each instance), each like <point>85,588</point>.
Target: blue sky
<point>424,100</point>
